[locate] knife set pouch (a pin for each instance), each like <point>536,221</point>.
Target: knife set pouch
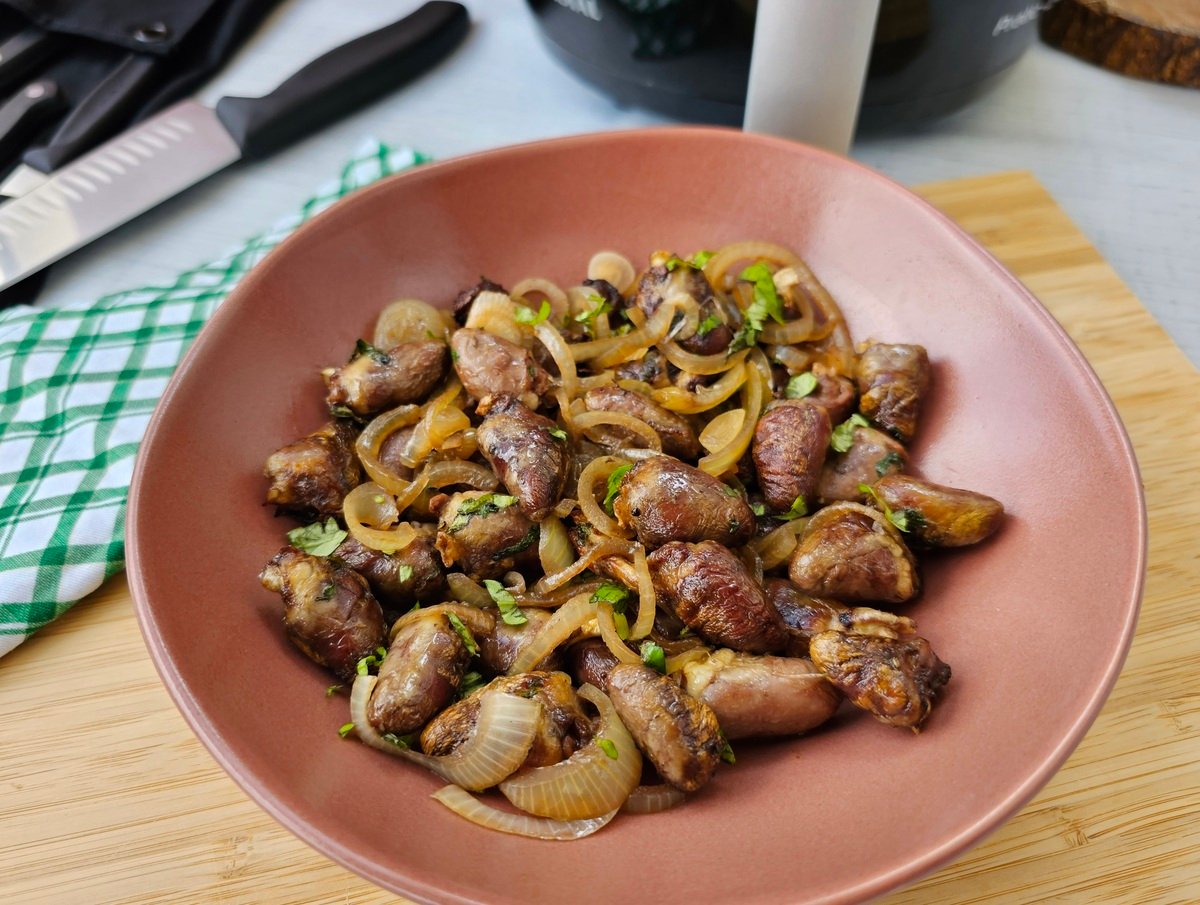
<point>112,62</point>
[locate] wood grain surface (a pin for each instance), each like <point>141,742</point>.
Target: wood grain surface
<point>108,798</point>
<point>1147,39</point>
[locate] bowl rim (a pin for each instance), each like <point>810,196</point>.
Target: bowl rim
<point>877,883</point>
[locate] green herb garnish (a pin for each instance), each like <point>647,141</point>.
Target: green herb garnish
<point>610,592</point>
<point>469,683</point>
<point>364,665</point>
<point>758,509</point>
<point>327,591</point>
<point>317,539</point>
<point>700,258</point>
<point>509,611</point>
<point>654,657</point>
<point>707,325</point>
<point>362,347</point>
<point>401,741</point>
<point>766,304</point>
<point>606,745</point>
<point>801,385</point>
<point>480,505</point>
<point>727,754</point>
<point>842,437</point>
<point>614,486</point>
<point>332,690</point>
<point>673,262</point>
<point>558,434</point>
<point>892,460</point>
<point>799,510</point>
<point>404,572</point>
<point>907,520</point>
<point>346,729</point>
<point>523,544</point>
<point>529,317</point>
<point>601,307</point>
<point>468,639</point>
<point>621,622</point>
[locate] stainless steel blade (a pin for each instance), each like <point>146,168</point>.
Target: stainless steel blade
<point>21,181</point>
<point>111,185</point>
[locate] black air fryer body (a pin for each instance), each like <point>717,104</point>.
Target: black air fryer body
<point>691,58</point>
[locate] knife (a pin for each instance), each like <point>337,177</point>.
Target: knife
<point>188,142</point>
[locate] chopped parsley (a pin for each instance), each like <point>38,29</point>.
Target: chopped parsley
<point>317,539</point>
<point>700,258</point>
<point>404,572</point>
<point>362,347</point>
<point>523,544</point>
<point>468,639</point>
<point>558,434</point>
<point>332,690</point>
<point>801,385</point>
<point>758,509</point>
<point>654,656</point>
<point>469,683</point>
<point>673,262</point>
<point>610,592</point>
<point>727,754</point>
<point>401,741</point>
<point>529,317</point>
<point>621,622</point>
<point>480,505</point>
<point>614,486</point>
<point>509,611</point>
<point>343,411</point>
<point>606,745</point>
<point>799,509</point>
<point>766,304</point>
<point>842,437</point>
<point>907,520</point>
<point>892,461</point>
<point>602,306</point>
<point>707,325</point>
<point>346,729</point>
<point>327,591</point>
<point>365,663</point>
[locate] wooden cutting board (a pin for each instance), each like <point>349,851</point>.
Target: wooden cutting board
<point>107,797</point>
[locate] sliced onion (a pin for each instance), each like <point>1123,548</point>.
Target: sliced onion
<point>566,620</point>
<point>589,783</point>
<point>797,361</point>
<point>550,290</point>
<point>652,799</point>
<point>369,511</point>
<point>495,313</point>
<point>552,600</point>
<point>590,420</point>
<point>647,602</point>
<point>592,381</point>
<point>565,507</point>
<point>717,363</point>
<point>775,548</point>
<point>461,445</point>
<point>720,268</point>
<point>719,432</point>
<point>463,588</point>
<point>446,472</point>
<point>370,441</point>
<point>678,661</point>
<point>498,746</point>
<point>440,419</point>
<point>614,268</point>
<point>466,805</point>
<point>597,471</point>
<point>794,331</point>
<point>406,321</point>
<point>607,547</point>
<point>680,400</point>
<point>608,632</point>
<point>604,353</point>
<point>726,459</point>
<point>549,337</point>
<point>554,546</point>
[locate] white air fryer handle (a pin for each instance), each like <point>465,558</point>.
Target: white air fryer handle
<point>808,67</point>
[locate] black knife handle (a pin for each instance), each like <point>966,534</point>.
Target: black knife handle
<point>24,52</point>
<point>344,79</point>
<point>26,112</point>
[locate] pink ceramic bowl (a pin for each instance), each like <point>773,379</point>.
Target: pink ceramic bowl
<point>1035,623</point>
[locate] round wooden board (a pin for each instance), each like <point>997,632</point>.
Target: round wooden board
<point>1147,39</point>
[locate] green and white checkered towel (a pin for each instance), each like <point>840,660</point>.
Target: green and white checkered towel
<point>79,384</point>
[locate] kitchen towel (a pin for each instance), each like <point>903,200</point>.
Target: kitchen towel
<point>79,385</point>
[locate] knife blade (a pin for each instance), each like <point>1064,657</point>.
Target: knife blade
<point>188,142</point>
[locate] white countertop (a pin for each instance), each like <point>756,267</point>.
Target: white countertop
<point>1121,156</point>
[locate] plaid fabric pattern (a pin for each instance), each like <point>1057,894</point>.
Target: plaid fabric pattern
<point>80,383</point>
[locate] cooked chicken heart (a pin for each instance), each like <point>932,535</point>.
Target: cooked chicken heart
<point>664,500</point>
<point>490,366</point>
<point>892,379</point>
<point>850,552</point>
<point>484,534</point>
<point>872,455</point>
<point>375,380</point>
<point>941,516</point>
<point>677,435</point>
<point>524,451</point>
<point>789,448</point>
<point>315,473</point>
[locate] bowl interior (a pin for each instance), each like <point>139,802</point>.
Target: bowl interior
<point>1035,622</point>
